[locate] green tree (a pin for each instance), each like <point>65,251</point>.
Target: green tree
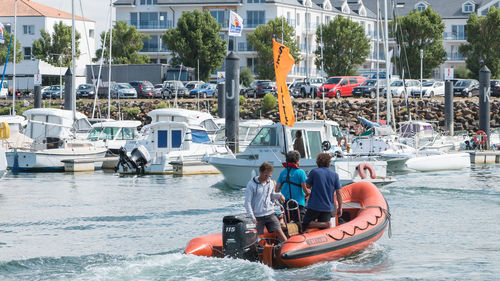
<point>49,47</point>
<point>196,39</point>
<point>127,42</point>
<point>5,47</point>
<point>246,76</point>
<point>483,42</point>
<point>262,41</point>
<point>419,31</point>
<point>345,46</point>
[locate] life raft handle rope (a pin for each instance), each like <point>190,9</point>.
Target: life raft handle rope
<point>368,223</point>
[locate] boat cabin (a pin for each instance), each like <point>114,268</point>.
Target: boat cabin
<point>114,130</point>
<point>317,135</point>
<point>247,130</point>
<point>48,127</point>
<point>191,117</point>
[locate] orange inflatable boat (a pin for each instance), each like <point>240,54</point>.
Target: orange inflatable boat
<point>365,215</point>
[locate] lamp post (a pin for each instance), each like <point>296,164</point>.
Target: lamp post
<point>421,69</point>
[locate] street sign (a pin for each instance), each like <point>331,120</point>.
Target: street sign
<point>37,79</point>
<point>448,73</point>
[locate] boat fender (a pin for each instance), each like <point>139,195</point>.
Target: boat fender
<point>358,129</point>
<point>480,137</point>
<point>4,131</point>
<point>366,166</point>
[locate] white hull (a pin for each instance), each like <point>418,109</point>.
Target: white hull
<point>440,162</point>
<point>3,162</point>
<point>237,172</point>
<point>51,159</point>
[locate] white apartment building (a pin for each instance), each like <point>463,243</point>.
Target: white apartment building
<point>154,16</point>
<point>33,17</point>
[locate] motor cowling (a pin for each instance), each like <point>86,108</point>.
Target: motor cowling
<point>140,157</point>
<point>239,237</point>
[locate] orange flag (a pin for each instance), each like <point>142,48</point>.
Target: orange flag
<point>283,63</point>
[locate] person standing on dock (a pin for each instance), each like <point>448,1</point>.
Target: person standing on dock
<point>258,201</point>
<point>325,187</point>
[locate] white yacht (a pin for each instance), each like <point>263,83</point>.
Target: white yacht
<point>3,162</point>
<point>190,117</point>
<point>165,146</point>
<point>114,134</point>
<point>269,145</point>
<point>16,138</point>
<point>54,135</point>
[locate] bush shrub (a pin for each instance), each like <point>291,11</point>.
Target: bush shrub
<point>242,100</point>
<point>162,105</point>
<point>269,102</point>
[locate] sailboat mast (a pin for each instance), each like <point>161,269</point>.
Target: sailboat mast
<point>378,60</point>
<point>14,62</point>
<point>387,65</point>
<point>73,80</point>
<point>110,48</point>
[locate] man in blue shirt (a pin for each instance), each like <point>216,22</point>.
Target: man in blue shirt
<point>325,183</point>
<point>292,184</point>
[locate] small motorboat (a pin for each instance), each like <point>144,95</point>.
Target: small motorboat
<point>365,218</point>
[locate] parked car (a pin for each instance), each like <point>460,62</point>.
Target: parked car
<point>193,85</point>
<point>157,90</point>
<point>495,88</point>
<point>310,86</point>
<point>170,87</point>
<point>398,88</point>
<point>429,89</point>
<point>123,91</point>
<point>144,88</point>
<point>54,92</point>
<point>259,88</point>
<point>340,86</point>
<point>85,91</point>
<point>466,88</point>
<point>294,88</point>
<point>369,88</point>
<point>206,90</point>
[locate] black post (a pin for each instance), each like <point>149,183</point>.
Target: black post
<point>221,100</point>
<point>37,96</point>
<point>68,97</point>
<point>232,100</point>
<point>448,107</point>
<point>484,102</point>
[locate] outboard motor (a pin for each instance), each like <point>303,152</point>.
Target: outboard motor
<point>239,237</point>
<point>140,158</point>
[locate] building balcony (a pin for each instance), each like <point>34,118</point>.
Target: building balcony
<point>152,25</point>
<point>245,47</point>
<point>455,57</point>
<point>454,36</point>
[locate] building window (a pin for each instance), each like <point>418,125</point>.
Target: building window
<point>421,7</point>
<point>29,29</point>
<point>27,53</point>
<point>163,20</point>
<point>148,2</point>
<point>458,32</point>
<point>133,19</point>
<point>252,64</point>
<point>255,18</point>
<point>149,20</point>
<point>468,8</point>
<point>91,33</point>
<point>256,1</point>
<point>150,45</point>
<point>220,16</point>
<point>298,18</point>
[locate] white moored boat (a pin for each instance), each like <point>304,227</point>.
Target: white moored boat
<point>54,136</point>
<point>247,129</point>
<point>269,146</point>
<point>165,143</point>
<point>3,162</point>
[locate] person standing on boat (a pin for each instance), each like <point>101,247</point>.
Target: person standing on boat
<point>258,201</point>
<point>325,188</point>
<point>298,144</point>
<point>292,184</point>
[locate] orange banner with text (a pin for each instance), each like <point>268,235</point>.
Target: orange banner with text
<point>283,63</point>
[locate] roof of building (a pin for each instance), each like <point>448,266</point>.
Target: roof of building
<point>183,2</point>
<point>28,8</point>
<point>446,9</point>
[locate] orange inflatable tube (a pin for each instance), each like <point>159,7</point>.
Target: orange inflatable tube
<point>366,166</point>
<point>369,217</point>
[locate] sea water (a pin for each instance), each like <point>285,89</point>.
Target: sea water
<point>102,226</point>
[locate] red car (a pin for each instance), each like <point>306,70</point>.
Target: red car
<point>340,86</point>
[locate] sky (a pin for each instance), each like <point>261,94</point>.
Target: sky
<point>96,10</point>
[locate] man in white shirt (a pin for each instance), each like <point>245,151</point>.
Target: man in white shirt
<point>258,201</point>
